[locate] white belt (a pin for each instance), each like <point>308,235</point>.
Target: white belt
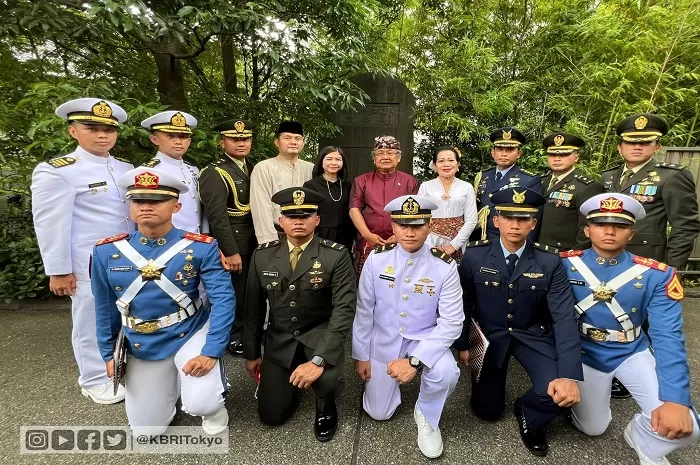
<point>150,326</point>
<point>610,335</point>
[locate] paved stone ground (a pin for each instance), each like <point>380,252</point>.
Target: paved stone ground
<point>38,382</point>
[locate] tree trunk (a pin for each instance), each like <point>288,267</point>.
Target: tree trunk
<point>228,60</point>
<point>171,85</point>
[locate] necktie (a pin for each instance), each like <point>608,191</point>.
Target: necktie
<point>296,251</point>
<point>624,181</point>
<point>245,168</point>
<point>499,175</point>
<point>552,182</point>
<point>512,258</point>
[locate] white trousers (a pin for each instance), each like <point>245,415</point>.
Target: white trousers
<point>84,338</point>
<point>638,373</point>
<point>382,395</point>
<point>153,387</point>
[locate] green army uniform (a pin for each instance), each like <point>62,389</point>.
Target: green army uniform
<point>666,191</point>
<point>311,311</point>
<point>561,223</point>
<point>224,190</point>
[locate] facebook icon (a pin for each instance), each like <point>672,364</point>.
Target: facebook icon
<point>88,439</point>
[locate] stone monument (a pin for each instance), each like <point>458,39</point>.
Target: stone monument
<point>389,111</point>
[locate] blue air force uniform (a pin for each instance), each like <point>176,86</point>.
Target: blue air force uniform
<point>614,297</point>
<point>527,313</point>
<point>489,182</point>
<point>149,288</point>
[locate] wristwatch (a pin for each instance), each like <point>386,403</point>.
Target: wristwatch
<point>318,361</point>
<point>415,363</point>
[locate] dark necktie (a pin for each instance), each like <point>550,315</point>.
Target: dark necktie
<point>512,258</point>
<point>624,182</point>
<point>499,175</point>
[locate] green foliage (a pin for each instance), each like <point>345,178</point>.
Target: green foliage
<point>21,270</point>
<point>549,65</point>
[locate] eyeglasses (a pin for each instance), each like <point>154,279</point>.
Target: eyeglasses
<point>386,153</point>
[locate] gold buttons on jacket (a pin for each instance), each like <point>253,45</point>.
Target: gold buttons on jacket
<point>116,256</point>
<point>510,316</point>
<point>181,335</point>
<point>117,288</point>
<point>511,286</point>
<point>533,288</point>
<point>296,333</point>
<point>404,297</point>
<point>401,330</point>
<point>294,319</point>
<point>410,262</point>
<point>292,304</point>
<point>510,301</point>
<point>292,287</point>
<point>408,280</point>
<point>137,346</point>
<point>403,314</point>
<point>510,329</point>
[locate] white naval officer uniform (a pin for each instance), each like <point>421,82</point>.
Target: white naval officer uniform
<point>190,217</point>
<point>76,201</point>
<point>409,305</point>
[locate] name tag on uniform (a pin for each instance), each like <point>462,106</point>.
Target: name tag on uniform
<point>97,184</point>
<point>387,277</point>
<point>577,282</point>
<point>270,274</point>
<point>121,268</point>
<point>238,182</point>
<point>489,271</point>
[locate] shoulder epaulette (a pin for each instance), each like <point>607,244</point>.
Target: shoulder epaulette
<point>199,237</point>
<point>60,162</point>
<point>220,161</point>
<point>331,244</point>
<point>528,172</point>
<point>546,248</point>
<point>477,243</point>
<point>152,163</point>
<point>571,253</point>
<point>384,248</point>
<point>672,166</point>
<point>111,239</point>
<point>583,179</point>
<point>612,169</point>
<point>441,255</point>
<point>122,159</point>
<point>268,244</point>
<point>650,263</point>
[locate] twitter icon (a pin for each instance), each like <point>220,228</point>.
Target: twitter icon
<point>114,439</point>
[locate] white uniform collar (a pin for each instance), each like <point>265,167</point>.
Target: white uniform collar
<point>168,160</point>
<point>85,155</point>
<point>420,252</point>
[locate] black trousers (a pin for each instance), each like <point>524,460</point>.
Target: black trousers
<point>239,281</point>
<point>278,398</point>
<point>489,393</point>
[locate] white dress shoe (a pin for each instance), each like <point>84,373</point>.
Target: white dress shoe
<point>104,393</point>
<point>215,424</point>
<point>429,439</point>
<point>643,458</point>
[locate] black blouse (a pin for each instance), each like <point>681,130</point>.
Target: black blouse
<point>333,214</point>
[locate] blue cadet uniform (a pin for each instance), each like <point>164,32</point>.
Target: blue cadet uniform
<point>148,288</point>
<point>75,202</point>
<point>488,182</point>
<point>522,302</point>
<point>614,297</point>
<point>409,305</point>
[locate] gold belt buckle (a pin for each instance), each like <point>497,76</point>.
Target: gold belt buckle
<point>145,327</point>
<point>596,334</point>
<point>622,336</point>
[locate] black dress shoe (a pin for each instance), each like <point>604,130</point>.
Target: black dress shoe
<point>235,348</point>
<point>618,390</point>
<point>535,441</point>
<point>326,420</point>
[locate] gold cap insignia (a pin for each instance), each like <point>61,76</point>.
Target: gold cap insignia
<point>611,204</point>
<point>410,207</point>
<point>558,140</point>
<point>507,134</point>
<point>178,120</point>
<point>102,109</point>
<point>299,197</point>
<point>518,197</point>
<point>146,180</point>
<point>239,126</point>
<point>641,122</point>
